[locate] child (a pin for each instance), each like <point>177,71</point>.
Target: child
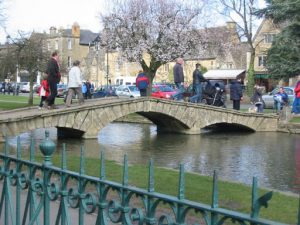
<point>43,93</point>
<point>257,100</point>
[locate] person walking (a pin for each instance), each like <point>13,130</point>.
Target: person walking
<point>53,78</point>
<point>43,92</point>
<point>257,100</point>
<point>236,93</point>
<point>296,103</point>
<point>74,84</point>
<point>84,90</point>
<point>197,84</point>
<point>142,83</point>
<point>178,79</point>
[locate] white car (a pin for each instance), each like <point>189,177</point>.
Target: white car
<point>130,91</point>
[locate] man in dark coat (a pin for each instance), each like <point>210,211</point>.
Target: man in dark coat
<point>236,94</point>
<point>53,78</point>
<point>197,84</point>
<point>178,79</point>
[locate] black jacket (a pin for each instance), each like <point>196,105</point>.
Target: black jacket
<point>52,71</point>
<point>178,73</point>
<point>198,77</point>
<point>236,90</point>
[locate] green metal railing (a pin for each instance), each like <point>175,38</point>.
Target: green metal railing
<point>29,190</point>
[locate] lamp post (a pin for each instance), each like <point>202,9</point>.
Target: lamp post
<point>107,67</point>
<point>17,80</point>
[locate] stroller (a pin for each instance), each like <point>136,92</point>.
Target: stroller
<point>214,94</point>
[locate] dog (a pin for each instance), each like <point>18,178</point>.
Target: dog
<point>252,109</point>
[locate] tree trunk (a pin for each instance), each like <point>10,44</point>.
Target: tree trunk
<point>250,74</point>
<point>30,100</point>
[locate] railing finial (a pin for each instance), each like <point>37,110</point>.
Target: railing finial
<point>47,147</point>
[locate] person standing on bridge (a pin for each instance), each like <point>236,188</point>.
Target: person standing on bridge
<point>142,83</point>
<point>53,78</point>
<point>197,84</point>
<point>236,93</point>
<point>178,79</point>
<point>74,84</point>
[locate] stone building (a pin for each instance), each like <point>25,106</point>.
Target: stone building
<point>263,41</point>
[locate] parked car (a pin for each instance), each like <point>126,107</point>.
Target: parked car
<point>24,87</point>
<point>130,91</point>
<point>105,92</point>
<point>61,89</point>
<point>269,97</point>
<point>162,91</point>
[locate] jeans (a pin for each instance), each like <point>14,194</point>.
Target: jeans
<point>198,94</point>
<point>180,91</point>
<point>143,92</point>
<point>260,108</point>
<point>278,106</point>
<point>296,106</point>
<point>236,104</point>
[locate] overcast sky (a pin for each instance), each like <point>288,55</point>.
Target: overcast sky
<point>40,15</point>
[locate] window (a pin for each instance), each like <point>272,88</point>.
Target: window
<point>262,60</point>
<point>56,45</point>
<point>69,44</point>
<point>269,38</point>
<point>69,61</point>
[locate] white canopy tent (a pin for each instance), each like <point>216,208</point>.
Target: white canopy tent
<point>224,74</point>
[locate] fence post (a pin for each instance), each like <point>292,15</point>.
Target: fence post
<point>47,147</point>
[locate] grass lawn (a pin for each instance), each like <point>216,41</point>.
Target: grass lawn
<point>8,102</point>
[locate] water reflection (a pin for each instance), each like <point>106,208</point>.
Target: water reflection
<point>273,157</point>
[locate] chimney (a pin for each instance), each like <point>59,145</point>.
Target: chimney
<point>52,31</point>
<point>76,30</point>
<point>231,25</point>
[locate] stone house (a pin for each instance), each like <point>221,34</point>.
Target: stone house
<point>263,39</point>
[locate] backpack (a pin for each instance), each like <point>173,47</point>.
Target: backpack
<point>142,82</point>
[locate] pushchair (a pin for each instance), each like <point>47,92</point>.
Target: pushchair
<point>214,94</point>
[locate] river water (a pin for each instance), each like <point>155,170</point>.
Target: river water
<point>273,157</point>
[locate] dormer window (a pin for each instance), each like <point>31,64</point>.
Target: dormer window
<point>69,44</point>
<point>269,38</point>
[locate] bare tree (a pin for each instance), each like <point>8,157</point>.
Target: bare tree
<point>31,56</point>
<point>160,29</point>
<point>241,12</point>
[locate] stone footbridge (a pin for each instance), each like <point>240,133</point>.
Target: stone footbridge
<point>88,119</point>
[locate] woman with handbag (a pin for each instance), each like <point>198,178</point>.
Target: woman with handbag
<point>44,92</point>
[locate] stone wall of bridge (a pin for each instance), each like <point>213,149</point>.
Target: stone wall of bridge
<point>87,120</point>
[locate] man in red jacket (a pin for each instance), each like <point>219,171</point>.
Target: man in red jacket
<point>296,103</point>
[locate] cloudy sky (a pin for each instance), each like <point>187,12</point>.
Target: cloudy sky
<point>40,15</point>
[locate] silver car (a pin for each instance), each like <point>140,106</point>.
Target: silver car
<point>269,98</point>
<point>130,91</point>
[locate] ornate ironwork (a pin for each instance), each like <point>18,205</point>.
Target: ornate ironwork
<point>34,187</point>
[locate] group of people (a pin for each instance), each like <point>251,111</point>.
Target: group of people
<point>48,88</point>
